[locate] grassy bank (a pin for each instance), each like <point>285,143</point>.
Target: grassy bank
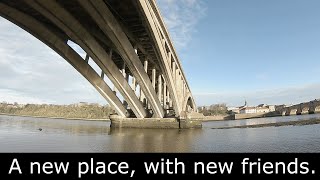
<point>88,112</point>
<point>85,119</point>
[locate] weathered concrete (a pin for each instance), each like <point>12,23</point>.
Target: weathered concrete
<point>189,123</point>
<point>191,120</point>
<point>154,123</point>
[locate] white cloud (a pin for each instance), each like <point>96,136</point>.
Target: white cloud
<point>30,72</point>
<point>262,76</point>
<point>286,95</point>
<point>11,96</point>
<point>181,18</point>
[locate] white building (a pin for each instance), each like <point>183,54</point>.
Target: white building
<point>248,110</point>
<point>272,108</point>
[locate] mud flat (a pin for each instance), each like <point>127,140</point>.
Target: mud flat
<point>278,124</point>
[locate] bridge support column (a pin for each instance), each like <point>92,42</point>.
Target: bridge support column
<point>178,86</point>
<point>134,87</point>
<point>153,82</point>
<point>154,78</point>
<point>169,59</point>
<point>126,76</point>
<point>174,71</point>
<point>160,87</point>
<point>165,97</point>
<point>102,75</point>
<point>87,58</point>
<point>169,100</point>
<point>123,70</point>
<point>142,96</point>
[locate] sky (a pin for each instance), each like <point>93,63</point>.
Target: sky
<point>261,51</point>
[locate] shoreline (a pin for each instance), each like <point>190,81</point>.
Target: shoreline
<point>252,116</point>
<point>82,119</point>
<point>217,118</point>
<point>277,124</point>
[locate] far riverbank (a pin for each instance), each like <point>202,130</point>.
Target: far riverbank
<point>81,111</point>
<point>83,119</point>
<point>241,116</point>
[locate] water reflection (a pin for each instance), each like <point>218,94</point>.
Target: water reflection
<point>54,125</point>
<point>153,140</point>
<point>21,134</point>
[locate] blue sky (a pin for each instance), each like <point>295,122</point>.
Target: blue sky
<point>264,51</point>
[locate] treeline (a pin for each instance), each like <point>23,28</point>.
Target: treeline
<point>214,110</point>
<point>64,111</point>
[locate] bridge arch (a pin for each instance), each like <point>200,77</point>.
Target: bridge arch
<point>189,104</point>
<point>60,46</point>
<point>140,51</point>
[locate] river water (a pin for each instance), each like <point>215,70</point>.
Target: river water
<point>22,134</point>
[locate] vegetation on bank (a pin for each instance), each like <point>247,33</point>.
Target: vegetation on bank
<point>64,111</point>
<point>214,110</point>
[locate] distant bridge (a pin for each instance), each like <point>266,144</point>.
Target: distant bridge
<point>302,108</point>
<point>127,39</point>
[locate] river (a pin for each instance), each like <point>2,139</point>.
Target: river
<point>22,134</point>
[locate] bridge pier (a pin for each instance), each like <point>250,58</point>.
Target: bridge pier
<point>154,123</point>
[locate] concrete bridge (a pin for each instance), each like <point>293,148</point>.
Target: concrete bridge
<point>302,108</point>
<point>140,73</point>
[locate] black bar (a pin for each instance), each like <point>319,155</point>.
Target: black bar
<point>177,165</point>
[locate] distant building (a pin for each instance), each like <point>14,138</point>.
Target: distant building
<point>272,108</point>
<point>262,110</point>
<point>248,110</point>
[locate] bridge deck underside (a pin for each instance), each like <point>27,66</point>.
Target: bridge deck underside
<point>124,11</point>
